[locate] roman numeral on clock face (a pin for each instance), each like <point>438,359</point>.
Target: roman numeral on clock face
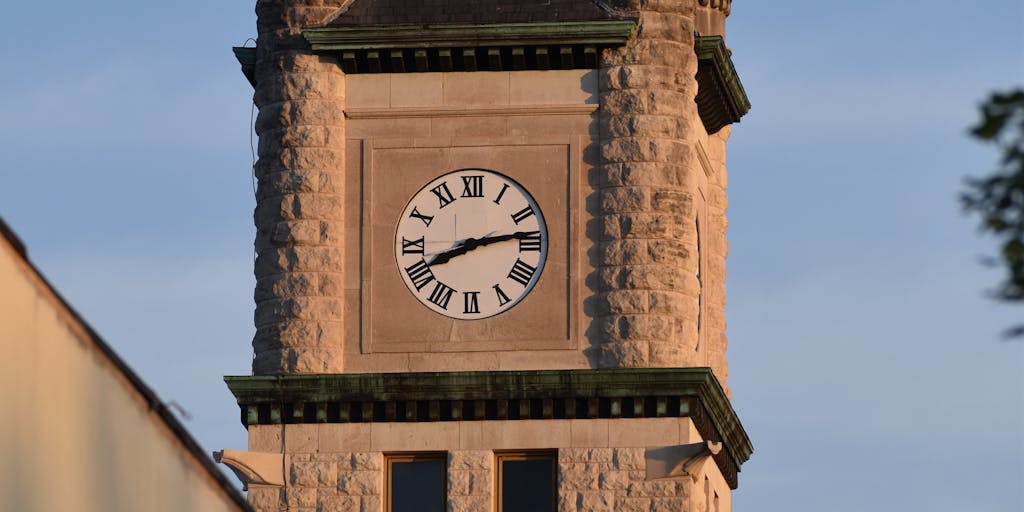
<point>529,242</point>
<point>425,218</point>
<point>443,194</point>
<point>471,301</point>
<point>504,187</point>
<point>416,246</point>
<point>472,186</point>
<point>441,295</point>
<point>522,214</point>
<point>521,272</point>
<point>420,274</point>
<point>502,298</point>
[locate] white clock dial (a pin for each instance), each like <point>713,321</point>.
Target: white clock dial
<point>471,244</point>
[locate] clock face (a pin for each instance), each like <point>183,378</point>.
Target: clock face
<point>471,244</point>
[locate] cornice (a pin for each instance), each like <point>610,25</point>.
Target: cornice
<point>725,6</point>
<point>511,395</point>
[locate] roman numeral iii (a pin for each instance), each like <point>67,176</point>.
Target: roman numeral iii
<point>529,242</point>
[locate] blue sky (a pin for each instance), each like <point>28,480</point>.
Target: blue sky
<point>866,362</point>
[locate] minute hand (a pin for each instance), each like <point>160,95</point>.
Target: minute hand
<point>473,243</point>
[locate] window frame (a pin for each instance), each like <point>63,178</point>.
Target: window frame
<point>520,455</point>
<point>391,458</point>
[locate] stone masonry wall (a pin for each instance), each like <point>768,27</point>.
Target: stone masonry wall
<point>325,482</point>
<point>299,214</point>
<point>647,253</point>
<point>470,481</point>
<point>613,479</point>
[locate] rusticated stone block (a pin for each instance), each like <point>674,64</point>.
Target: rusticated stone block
<point>301,498</point>
<point>272,210</point>
<point>295,332</point>
<point>315,158</point>
<point>657,102</point>
<point>286,86</point>
<point>293,61</point>
<point>336,503</point>
<point>625,302</point>
<point>623,174</point>
<point>286,114</point>
<point>643,149</point>
<point>301,137</point>
<point>652,125</point>
<point>282,183</point>
<point>665,25</point>
<point>626,504</point>
<point>298,359</point>
<point>623,252</point>
<point>600,501</point>
<point>298,259</point>
<point>469,459</point>
<point>301,308</point>
<point>625,199</point>
<point>367,461</point>
<point>626,459</point>
<point>360,483</point>
<point>263,498</point>
<point>468,503</point>
<point>625,354</point>
<point>314,474</point>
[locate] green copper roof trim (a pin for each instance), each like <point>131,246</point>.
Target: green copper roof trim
<point>246,56</point>
<point>450,35</point>
<point>693,387</point>
<point>721,98</point>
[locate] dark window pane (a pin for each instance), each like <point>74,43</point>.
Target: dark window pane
<point>528,485</point>
<point>417,486</point>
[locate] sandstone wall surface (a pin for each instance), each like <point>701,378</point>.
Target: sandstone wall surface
<point>299,213</point>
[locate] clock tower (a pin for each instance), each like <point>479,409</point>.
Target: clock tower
<point>491,251</point>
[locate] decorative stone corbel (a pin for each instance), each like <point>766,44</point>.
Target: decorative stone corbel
<point>676,461</point>
<point>253,467</point>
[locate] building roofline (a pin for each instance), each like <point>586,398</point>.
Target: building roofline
<point>150,397</point>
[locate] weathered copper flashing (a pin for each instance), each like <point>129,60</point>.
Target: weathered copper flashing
<point>246,56</point>
<point>451,35</point>
<point>721,99</point>
<point>480,396</point>
<point>469,47</point>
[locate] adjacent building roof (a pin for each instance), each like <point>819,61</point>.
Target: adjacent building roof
<point>428,12</point>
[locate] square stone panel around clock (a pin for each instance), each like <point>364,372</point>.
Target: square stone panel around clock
<point>393,320</point>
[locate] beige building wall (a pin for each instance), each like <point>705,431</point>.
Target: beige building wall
<point>76,433</point>
<point>602,463</point>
